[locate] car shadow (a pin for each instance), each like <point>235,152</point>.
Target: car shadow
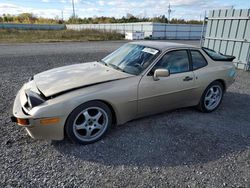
<point>181,137</point>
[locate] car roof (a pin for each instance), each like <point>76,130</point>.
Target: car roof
<point>162,45</point>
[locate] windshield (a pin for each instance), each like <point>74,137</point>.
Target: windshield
<point>131,58</point>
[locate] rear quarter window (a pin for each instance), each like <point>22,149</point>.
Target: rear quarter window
<point>198,60</point>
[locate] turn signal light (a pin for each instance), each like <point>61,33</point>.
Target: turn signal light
<point>49,121</point>
<point>22,122</point>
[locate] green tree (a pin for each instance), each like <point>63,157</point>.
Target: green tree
<point>26,18</point>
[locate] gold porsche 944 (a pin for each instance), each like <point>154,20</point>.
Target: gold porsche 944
<point>83,101</point>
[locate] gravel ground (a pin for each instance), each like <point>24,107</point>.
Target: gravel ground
<point>182,148</point>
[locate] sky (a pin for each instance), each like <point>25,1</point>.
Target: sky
<point>182,9</point>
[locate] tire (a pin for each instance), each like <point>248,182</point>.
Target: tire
<point>214,91</point>
<point>88,122</point>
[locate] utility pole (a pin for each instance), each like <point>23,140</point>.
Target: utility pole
<point>62,15</point>
<point>73,6</point>
<point>203,28</point>
<point>169,12</point>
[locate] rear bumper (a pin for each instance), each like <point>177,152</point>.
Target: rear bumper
<point>33,125</point>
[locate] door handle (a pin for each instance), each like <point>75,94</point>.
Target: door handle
<point>187,78</point>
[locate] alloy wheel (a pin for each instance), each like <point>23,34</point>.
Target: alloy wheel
<point>90,124</point>
<point>213,97</point>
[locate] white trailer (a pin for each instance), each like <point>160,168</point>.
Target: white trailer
<point>137,35</point>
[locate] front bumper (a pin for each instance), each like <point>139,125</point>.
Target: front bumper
<point>33,124</point>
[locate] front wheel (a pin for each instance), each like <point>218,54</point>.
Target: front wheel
<point>89,122</point>
<point>212,97</point>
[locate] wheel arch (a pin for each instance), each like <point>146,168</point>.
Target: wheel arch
<point>200,105</point>
<point>217,80</point>
<point>222,82</point>
<point>114,115</point>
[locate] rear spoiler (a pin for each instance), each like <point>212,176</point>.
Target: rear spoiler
<point>227,58</point>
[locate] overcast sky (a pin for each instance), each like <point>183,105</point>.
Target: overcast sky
<point>186,9</point>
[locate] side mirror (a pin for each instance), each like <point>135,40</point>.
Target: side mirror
<point>160,73</point>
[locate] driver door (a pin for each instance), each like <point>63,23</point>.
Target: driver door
<point>170,92</point>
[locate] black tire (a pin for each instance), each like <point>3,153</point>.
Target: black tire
<point>201,106</point>
<point>78,115</point>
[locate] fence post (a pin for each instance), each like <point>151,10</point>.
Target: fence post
<point>190,32</point>
<point>176,31</point>
<point>202,29</point>
<point>165,30</point>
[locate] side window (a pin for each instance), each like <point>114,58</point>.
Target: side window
<point>198,60</point>
<point>175,61</point>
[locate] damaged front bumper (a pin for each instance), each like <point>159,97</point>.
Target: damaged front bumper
<point>37,127</point>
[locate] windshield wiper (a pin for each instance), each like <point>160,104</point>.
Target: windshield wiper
<point>116,67</point>
<point>111,65</point>
<point>103,62</point>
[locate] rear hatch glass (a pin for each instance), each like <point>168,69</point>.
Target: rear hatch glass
<point>217,56</point>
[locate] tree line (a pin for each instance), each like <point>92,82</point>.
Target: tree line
<point>30,18</point>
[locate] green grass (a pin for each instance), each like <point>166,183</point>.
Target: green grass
<point>57,36</point>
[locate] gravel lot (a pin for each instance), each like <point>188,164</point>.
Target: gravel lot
<point>182,148</point>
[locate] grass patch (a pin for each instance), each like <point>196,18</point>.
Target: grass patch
<point>57,36</point>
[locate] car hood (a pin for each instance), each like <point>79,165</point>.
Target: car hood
<point>58,80</point>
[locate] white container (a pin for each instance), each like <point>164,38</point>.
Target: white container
<point>137,35</point>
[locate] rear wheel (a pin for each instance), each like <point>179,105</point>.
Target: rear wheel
<point>89,122</point>
<point>212,97</point>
